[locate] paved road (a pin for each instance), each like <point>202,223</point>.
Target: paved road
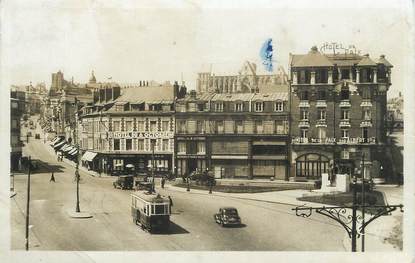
<point>267,226</point>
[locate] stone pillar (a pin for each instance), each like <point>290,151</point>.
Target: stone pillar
<point>313,77</point>
<point>351,74</point>
<point>330,77</point>
<point>295,79</point>
<point>357,76</point>
<point>375,76</point>
<point>389,76</point>
<point>340,74</point>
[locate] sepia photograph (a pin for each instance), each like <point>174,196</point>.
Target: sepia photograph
<point>227,131</point>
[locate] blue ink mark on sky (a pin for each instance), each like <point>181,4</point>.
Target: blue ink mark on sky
<point>266,54</point>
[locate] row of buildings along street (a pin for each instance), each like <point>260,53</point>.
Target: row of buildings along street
<point>326,113</point>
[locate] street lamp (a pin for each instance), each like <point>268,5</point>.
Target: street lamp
<point>153,144</point>
<point>27,204</point>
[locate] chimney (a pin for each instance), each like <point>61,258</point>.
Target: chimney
<point>176,89</point>
<point>101,94</point>
<point>116,92</point>
<point>108,93</point>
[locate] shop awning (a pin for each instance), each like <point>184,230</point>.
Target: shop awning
<point>69,148</point>
<point>88,156</point>
<point>73,151</point>
<point>64,148</point>
<point>59,144</point>
<point>56,140</point>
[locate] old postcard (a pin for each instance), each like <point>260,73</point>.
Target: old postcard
<point>194,131</point>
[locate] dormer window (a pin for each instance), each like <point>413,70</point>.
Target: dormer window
<point>259,106</point>
<point>279,106</point>
<point>239,106</point>
<point>219,106</point>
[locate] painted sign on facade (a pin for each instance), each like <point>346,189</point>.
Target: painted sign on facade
<point>151,135</point>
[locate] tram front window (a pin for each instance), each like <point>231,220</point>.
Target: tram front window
<point>160,209</point>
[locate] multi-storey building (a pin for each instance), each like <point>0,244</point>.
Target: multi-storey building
<point>395,113</point>
<point>246,81</point>
<point>127,127</point>
<point>242,135</point>
<point>338,110</point>
<point>17,109</point>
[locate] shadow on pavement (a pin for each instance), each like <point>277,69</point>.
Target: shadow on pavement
<point>235,226</point>
<point>174,229</point>
<point>39,166</point>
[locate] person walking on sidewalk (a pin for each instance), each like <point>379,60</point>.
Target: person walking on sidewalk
<point>171,202</point>
<point>163,181</point>
<point>52,178</point>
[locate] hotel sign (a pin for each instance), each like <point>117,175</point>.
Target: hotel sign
<point>337,48</point>
<point>143,135</point>
<point>356,140</point>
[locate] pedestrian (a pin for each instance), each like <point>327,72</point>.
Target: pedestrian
<point>52,178</point>
<point>171,202</point>
<point>163,181</point>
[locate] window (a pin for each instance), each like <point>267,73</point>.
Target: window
<point>345,133</point>
<point>321,95</point>
<point>321,133</point>
<point>199,127</point>
<point>304,95</point>
<point>321,114</point>
<point>321,76</point>
<point>366,93</point>
<point>141,144</point>
<point>279,106</point>
<point>128,126</point>
<point>345,73</point>
<point>219,126</point>
<point>14,124</point>
<point>128,144</point>
<point>15,105</point>
<point>165,126</point>
<point>304,133</point>
<point>201,106</point>
<point>344,94</point>
<point>365,134</point>
<point>304,77</point>
<point>181,147</point>
<point>153,126</point>
<point>259,106</point>
<point>239,106</point>
<point>279,127</point>
<point>345,114</point>
<point>116,144</point>
<point>366,114</point>
<point>201,147</point>
<point>165,145</point>
<point>304,114</point>
<point>258,127</point>
<point>140,126</point>
<point>181,126</point>
<point>116,126</point>
<point>219,106</point>
<point>239,126</point>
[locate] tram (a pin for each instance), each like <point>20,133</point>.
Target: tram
<point>151,211</point>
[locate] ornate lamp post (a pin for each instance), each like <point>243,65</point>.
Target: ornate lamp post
<point>339,214</point>
<point>27,204</point>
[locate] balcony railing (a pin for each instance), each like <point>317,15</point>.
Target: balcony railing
<point>345,104</point>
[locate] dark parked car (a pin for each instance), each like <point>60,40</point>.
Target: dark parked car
<point>124,182</point>
<point>227,216</point>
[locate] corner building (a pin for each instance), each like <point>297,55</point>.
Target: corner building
<point>338,110</point>
<point>118,130</point>
<point>243,135</point>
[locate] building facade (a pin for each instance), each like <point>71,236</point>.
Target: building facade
<point>17,109</point>
<point>395,113</point>
<point>128,128</point>
<point>246,81</point>
<point>234,135</point>
<point>338,112</point>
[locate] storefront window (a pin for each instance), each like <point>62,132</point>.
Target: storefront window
<point>311,165</point>
<point>181,147</point>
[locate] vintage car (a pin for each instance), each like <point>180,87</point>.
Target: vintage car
<point>227,216</point>
<point>124,182</point>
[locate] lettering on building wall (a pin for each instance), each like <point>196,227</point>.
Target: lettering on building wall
<point>151,135</point>
<point>356,140</point>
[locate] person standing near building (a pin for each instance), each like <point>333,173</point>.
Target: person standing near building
<point>171,201</point>
<point>52,178</point>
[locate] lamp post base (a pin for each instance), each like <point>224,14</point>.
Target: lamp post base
<point>79,215</point>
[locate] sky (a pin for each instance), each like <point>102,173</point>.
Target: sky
<point>130,42</point>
